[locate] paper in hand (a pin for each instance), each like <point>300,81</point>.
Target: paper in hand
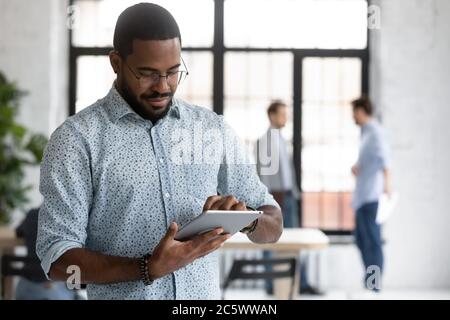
<point>386,205</point>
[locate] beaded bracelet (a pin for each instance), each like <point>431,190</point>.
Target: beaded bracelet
<point>143,264</point>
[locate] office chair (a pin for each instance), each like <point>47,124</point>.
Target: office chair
<point>12,266</point>
<point>238,271</point>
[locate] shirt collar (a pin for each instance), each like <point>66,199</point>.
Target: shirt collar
<point>117,107</point>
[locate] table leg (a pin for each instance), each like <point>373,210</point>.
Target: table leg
<point>282,287</point>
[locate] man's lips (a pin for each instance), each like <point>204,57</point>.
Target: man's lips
<point>160,102</point>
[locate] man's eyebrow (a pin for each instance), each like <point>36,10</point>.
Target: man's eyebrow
<point>156,70</point>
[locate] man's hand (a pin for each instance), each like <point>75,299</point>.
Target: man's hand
<point>224,203</point>
<point>355,170</point>
<point>171,255</point>
<point>270,224</point>
<point>387,183</point>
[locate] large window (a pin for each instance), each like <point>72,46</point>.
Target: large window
<point>330,140</point>
<point>241,55</point>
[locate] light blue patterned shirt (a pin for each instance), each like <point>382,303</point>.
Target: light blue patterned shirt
<point>372,160</point>
<point>112,182</point>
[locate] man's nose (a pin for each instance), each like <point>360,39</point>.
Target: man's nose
<point>162,85</point>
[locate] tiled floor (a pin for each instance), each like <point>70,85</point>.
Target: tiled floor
<point>440,294</point>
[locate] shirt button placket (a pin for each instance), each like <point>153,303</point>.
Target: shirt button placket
<point>162,168</point>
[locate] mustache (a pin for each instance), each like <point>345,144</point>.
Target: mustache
<point>157,95</point>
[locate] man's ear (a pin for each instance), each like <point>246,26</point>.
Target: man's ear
<point>115,60</point>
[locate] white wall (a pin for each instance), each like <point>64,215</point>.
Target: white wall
<point>412,78</point>
<point>34,53</point>
<point>410,86</point>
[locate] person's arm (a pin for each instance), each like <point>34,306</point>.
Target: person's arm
<point>355,170</point>
<point>269,227</point>
<point>387,182</point>
<point>95,267</point>
<point>383,156</point>
<point>168,256</point>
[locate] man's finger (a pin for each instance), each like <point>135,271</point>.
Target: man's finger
<point>171,232</point>
<point>210,201</point>
<point>199,240</point>
<point>221,204</point>
<point>215,244</point>
<point>229,202</point>
<point>240,206</point>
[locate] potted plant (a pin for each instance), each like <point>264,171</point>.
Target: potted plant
<point>18,149</point>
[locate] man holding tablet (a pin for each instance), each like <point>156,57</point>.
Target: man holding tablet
<point>119,177</point>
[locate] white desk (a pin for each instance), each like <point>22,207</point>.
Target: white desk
<point>291,242</point>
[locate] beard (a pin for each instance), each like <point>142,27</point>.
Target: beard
<point>145,111</point>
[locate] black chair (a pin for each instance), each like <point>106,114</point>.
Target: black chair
<point>12,266</point>
<point>239,265</point>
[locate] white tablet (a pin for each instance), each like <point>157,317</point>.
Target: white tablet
<point>230,221</point>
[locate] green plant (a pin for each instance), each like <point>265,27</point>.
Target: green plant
<point>18,149</point>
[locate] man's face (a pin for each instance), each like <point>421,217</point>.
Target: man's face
<point>278,119</point>
<point>359,116</point>
<point>149,56</point>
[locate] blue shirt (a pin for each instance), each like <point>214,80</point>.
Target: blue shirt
<point>372,160</point>
<point>113,182</point>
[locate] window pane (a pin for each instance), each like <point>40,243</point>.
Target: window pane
<point>94,79</point>
<point>94,21</point>
<point>197,88</point>
<point>330,139</point>
<point>328,24</point>
<point>252,81</point>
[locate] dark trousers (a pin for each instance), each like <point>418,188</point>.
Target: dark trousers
<point>368,237</point>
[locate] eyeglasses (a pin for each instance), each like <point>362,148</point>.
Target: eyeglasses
<point>148,79</point>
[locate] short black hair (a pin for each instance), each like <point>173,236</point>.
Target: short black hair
<point>274,106</point>
<point>144,21</point>
<point>363,103</point>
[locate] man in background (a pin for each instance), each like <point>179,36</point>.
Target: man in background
<point>276,170</point>
<point>372,179</point>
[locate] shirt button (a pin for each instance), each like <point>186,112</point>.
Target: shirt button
<point>167,195</point>
<point>161,160</point>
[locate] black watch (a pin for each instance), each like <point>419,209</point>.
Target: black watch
<point>249,229</point>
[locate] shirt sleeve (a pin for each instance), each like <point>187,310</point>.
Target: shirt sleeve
<point>381,150</point>
<point>237,174</point>
<point>66,186</point>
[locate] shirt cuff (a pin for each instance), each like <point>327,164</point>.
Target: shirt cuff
<point>56,251</point>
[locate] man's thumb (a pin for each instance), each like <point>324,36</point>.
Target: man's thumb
<point>172,231</point>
